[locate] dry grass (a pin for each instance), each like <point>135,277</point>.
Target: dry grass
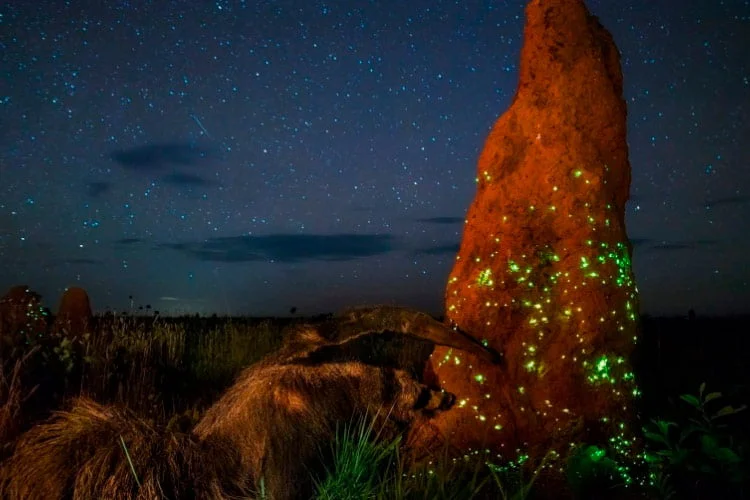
<point>13,394</point>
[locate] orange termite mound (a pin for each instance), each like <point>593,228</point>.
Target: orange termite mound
<point>74,313</point>
<point>543,272</point>
<point>22,317</point>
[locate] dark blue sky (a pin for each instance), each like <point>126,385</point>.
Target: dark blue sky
<point>247,157</point>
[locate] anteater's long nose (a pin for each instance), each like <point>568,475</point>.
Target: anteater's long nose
<point>449,399</point>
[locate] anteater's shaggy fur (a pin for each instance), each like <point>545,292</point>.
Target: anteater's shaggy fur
<point>272,427</point>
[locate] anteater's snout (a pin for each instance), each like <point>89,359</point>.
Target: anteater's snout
<point>448,400</point>
<point>434,400</point>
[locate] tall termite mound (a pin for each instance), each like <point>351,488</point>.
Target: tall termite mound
<point>543,273</point>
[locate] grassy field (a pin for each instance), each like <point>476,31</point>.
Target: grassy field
<point>169,370</point>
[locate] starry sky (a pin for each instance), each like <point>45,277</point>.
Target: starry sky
<point>239,157</point>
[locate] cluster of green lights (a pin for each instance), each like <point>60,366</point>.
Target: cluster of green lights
<point>485,278</point>
<point>603,368</point>
<point>544,285</point>
<point>35,314</point>
<point>489,458</point>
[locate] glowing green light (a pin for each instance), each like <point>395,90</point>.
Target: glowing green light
<point>600,371</point>
<point>485,278</point>
<point>577,173</point>
<point>530,365</point>
<point>601,365</point>
<point>479,378</point>
<point>513,266</point>
<point>584,262</point>
<point>547,256</point>
<point>596,453</point>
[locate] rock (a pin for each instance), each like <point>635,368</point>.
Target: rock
<point>74,314</point>
<point>22,317</point>
<point>543,271</point>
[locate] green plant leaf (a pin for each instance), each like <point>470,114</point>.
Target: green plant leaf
<point>728,410</point>
<point>678,457</point>
<point>709,444</point>
<point>689,431</point>
<point>653,436</point>
<point>726,455</point>
<point>691,400</point>
<point>711,396</point>
<point>701,389</point>
<point>664,425</point>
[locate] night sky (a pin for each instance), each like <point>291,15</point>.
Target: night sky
<point>248,157</point>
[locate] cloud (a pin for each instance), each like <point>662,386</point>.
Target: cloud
<point>729,200</point>
<point>438,250</point>
<point>182,179</point>
<point>442,220</point>
<point>663,245</point>
<point>639,242</point>
<point>128,241</point>
<point>95,189</point>
<point>168,298</point>
<point>159,155</point>
<point>287,247</point>
<point>682,245</point>
<point>75,262</point>
<point>672,246</point>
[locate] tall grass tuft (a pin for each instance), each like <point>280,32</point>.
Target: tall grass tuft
<point>216,355</point>
<point>361,463</point>
<point>13,394</point>
<point>365,467</point>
